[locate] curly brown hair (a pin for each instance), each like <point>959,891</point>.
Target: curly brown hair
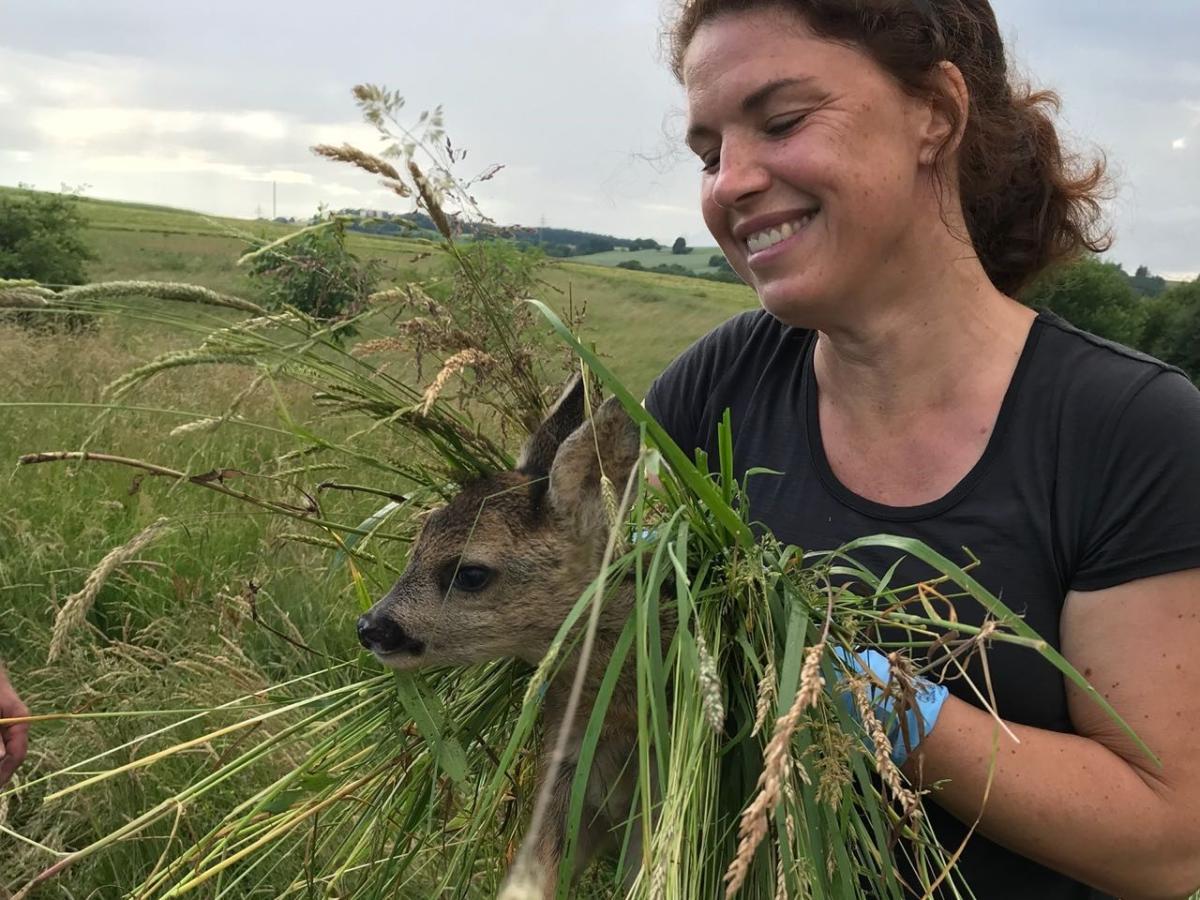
<point>1028,203</point>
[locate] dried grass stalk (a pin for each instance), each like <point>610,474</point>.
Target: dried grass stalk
<point>164,290</point>
<point>196,426</point>
<point>430,201</point>
<point>776,766</point>
<point>6,796</point>
<point>889,772</point>
<point>22,298</point>
<point>464,359</point>
<point>766,694</point>
<point>76,607</point>
<point>365,161</point>
<point>387,295</point>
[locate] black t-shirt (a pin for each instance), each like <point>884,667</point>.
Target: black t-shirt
<point>1091,478</point>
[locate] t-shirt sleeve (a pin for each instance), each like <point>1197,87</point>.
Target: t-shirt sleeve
<point>1145,483</point>
<point>679,397</point>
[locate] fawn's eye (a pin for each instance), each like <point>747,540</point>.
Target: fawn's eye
<point>472,578</point>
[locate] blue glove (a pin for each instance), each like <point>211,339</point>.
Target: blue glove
<point>918,720</point>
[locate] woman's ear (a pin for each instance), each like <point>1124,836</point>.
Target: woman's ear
<point>948,106</point>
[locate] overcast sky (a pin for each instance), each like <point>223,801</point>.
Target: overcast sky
<point>203,105</point>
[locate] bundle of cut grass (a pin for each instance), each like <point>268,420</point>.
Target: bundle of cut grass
<point>758,766</point>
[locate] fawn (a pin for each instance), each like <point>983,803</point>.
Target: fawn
<point>494,573</point>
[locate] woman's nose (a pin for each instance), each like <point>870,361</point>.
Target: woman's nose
<point>740,174</point>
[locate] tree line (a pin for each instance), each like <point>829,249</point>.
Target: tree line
<point>42,238</point>
<point>555,242</point>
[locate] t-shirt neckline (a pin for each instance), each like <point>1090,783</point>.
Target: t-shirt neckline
<point>849,498</point>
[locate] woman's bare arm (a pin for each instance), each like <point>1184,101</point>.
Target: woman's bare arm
<point>1091,805</point>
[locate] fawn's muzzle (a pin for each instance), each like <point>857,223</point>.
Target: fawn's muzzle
<point>380,634</point>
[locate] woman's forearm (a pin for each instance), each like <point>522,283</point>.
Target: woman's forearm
<point>1063,800</point>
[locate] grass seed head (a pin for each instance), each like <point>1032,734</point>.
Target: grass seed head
<point>76,606</point>
<point>464,359</point>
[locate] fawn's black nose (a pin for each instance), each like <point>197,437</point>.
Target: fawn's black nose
<point>379,634</point>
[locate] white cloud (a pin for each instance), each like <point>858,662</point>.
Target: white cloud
<point>285,176</point>
<point>334,189</point>
<point>92,79</point>
<point>261,124</point>
<point>351,131</point>
<point>84,125</point>
<point>20,156</point>
<point>186,162</point>
<point>6,94</point>
<point>1179,144</point>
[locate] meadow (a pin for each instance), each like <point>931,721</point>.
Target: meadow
<point>228,599</point>
<point>697,260</point>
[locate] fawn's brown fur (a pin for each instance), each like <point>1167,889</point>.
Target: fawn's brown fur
<point>494,573</point>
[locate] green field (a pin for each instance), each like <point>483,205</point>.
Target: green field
<point>178,627</point>
<point>697,260</point>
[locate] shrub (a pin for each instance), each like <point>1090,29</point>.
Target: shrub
<point>316,274</point>
<point>41,237</point>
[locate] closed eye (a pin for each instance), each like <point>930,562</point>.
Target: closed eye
<point>781,126</point>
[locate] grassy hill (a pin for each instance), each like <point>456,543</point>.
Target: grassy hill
<point>697,260</point>
<point>641,320</point>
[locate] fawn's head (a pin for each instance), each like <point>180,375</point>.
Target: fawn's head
<point>495,571</point>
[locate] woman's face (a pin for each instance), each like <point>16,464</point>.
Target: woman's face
<point>816,165</point>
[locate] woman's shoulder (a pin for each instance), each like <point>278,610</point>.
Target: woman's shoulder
<point>1092,359</point>
<point>745,341</point>
<point>713,372</point>
<point>1092,377</point>
<point>754,327</point>
<point>1128,442</point>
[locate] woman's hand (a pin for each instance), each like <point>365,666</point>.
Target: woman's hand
<point>904,731</point>
<point>14,739</point>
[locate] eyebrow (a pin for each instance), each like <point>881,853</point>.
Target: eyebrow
<point>754,101</point>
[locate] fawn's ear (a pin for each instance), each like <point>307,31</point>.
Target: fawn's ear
<point>564,417</point>
<point>608,444</point>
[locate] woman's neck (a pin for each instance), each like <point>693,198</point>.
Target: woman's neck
<point>929,348</point>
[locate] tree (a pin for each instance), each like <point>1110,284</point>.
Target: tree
<point>315,273</point>
<point>591,245</point>
<point>1172,328</point>
<point>1147,284</point>
<point>41,237</point>
<point>1093,295</point>
<point>680,247</point>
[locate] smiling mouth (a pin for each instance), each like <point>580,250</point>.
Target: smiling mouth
<point>769,237</point>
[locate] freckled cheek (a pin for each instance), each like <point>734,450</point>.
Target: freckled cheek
<point>717,221</point>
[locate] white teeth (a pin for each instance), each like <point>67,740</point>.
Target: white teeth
<point>761,240</point>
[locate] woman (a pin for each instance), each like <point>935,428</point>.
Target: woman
<point>869,170</point>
